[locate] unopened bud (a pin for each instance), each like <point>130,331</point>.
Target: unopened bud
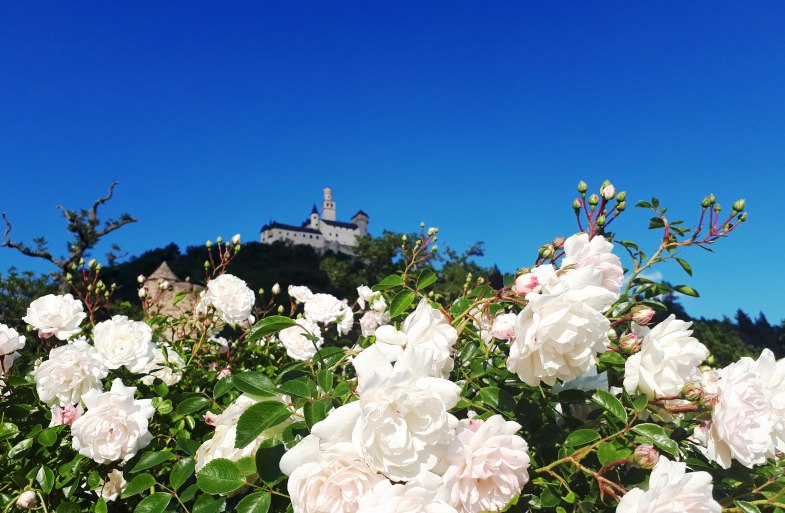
<point>743,217</point>
<point>140,279</point>
<point>434,248</point>
<point>642,315</point>
<point>738,205</point>
<point>276,289</point>
<point>645,456</point>
<point>480,280</point>
<point>620,206</point>
<point>261,292</point>
<point>630,343</point>
<point>601,221</point>
<point>711,199</point>
<point>236,239</point>
<point>404,237</point>
<point>163,285</point>
<point>717,208</point>
<point>621,196</point>
<point>593,200</point>
<point>582,187</point>
<point>209,244</point>
<point>100,285</point>
<point>612,335</point>
<point>27,500</point>
<point>692,392</point>
<point>90,288</point>
<point>422,224</point>
<point>98,267</point>
<point>219,239</point>
<point>206,264</point>
<point>81,262</point>
<point>143,292</point>
<point>68,277</point>
<point>710,360</point>
<point>280,309</point>
<point>546,251</point>
<point>432,231</point>
<point>577,204</point>
<point>608,192</point>
<point>92,263</point>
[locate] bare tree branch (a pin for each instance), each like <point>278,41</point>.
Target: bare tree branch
<point>24,249</point>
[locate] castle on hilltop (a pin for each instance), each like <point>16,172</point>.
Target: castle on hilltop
<point>320,232</point>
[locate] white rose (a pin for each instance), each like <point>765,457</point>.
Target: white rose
<point>579,251</point>
<point>488,464</point>
<point>65,416</point>
<point>424,494</point>
<point>70,372</point>
<point>503,327</point>
<point>400,423</point>
<point>745,422</point>
<point>27,500</point>
<point>111,487</point>
<point>671,488</point>
<point>364,294</point>
<point>346,321</point>
<point>560,331</point>
<point>10,340</point>
<point>221,445</point>
<point>6,362</point>
<point>123,342</point>
<point>297,346</point>
<point>231,298</point>
<point>115,425</point>
<point>668,360</point>
<point>772,372</point>
<point>323,308</point>
<point>426,327</point>
<point>166,365</point>
<point>55,315</point>
<point>368,323</point>
<point>526,283</point>
<point>300,293</point>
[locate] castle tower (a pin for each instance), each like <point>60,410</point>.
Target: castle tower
<point>328,206</point>
<point>314,218</point>
<point>361,220</point>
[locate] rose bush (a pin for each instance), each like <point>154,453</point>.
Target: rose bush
<point>559,391</point>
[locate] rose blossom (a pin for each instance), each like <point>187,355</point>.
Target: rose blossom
<point>372,320</point>
<point>746,421</point>
<point>167,366</point>
<point>231,298</point>
<point>70,372</point>
<point>668,359</point>
<point>561,329</point>
<point>65,416</point>
<point>346,321</point>
<point>300,293</point>
<point>55,315</point>
<point>297,346</point>
<point>323,308</point>
<point>27,500</point>
<point>10,340</point>
<point>503,327</point>
<point>597,253</point>
<point>111,488</point>
<point>671,488</point>
<point>526,283</point>
<point>424,494</point>
<point>123,342</point>
<point>488,464</point>
<point>425,327</point>
<point>114,427</point>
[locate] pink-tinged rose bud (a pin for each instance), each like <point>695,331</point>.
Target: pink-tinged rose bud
<point>226,371</point>
<point>27,500</point>
<point>645,456</point>
<point>44,336</point>
<point>65,416</point>
<point>608,192</point>
<point>692,392</point>
<point>642,315</point>
<point>593,200</point>
<point>577,204</point>
<point>140,279</point>
<point>236,239</point>
<point>503,327</point>
<point>526,283</point>
<point>558,242</point>
<point>630,343</point>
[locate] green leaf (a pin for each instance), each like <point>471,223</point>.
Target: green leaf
<point>658,436</point>
<point>611,404</point>
<point>45,478</point>
<point>181,471</point>
<point>257,502</point>
<point>193,405</point>
<point>8,430</point>
<point>151,459</point>
<point>139,484</point>
<point>247,466</point>
<point>68,507</point>
<point>324,378</point>
<point>497,398</point>
<point>47,437</point>
<point>426,279</point>
<point>222,387</point>
<point>401,302</point>
<point>747,507</point>
<point>154,503</point>
<point>188,446</point>
<point>100,506</point>
<point>640,402</point>
<point>581,437</point>
<point>684,265</point>
<point>219,476</point>
<point>268,326</point>
<point>608,452</point>
<point>686,290</point>
<point>258,418</point>
<point>21,447</point>
<point>390,282</point>
<point>296,387</point>
<point>254,383</point>
<point>267,459</point>
<point>208,504</point>
<point>316,411</point>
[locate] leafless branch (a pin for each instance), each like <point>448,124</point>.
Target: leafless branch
<point>24,249</point>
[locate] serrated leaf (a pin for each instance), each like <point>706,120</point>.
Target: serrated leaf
<point>640,402</point>
<point>258,418</point>
<point>257,502</point>
<point>151,459</point>
<point>497,398</point>
<point>581,437</point>
<point>686,290</point>
<point>193,405</point>
<point>222,387</point>
<point>208,504</point>
<point>296,387</point>
<point>138,485</point>
<point>219,476</point>
<point>684,265</point>
<point>610,403</point>
<point>154,503</point>
<point>316,411</point>
<point>254,383</point>
<point>401,302</point>
<point>658,436</point>
<point>181,471</point>
<point>268,326</point>
<point>325,378</point>
<point>426,279</point>
<point>392,281</point>
<point>45,478</point>
<point>267,459</point>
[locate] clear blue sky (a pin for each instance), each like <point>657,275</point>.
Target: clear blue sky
<point>478,118</point>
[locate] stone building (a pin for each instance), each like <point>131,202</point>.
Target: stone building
<point>322,232</point>
<point>163,286</point>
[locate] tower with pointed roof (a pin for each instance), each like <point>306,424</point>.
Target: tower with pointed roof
<point>322,232</point>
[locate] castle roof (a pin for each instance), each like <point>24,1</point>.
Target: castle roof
<point>164,272</point>
<point>360,213</point>
<point>313,210</point>
<point>289,227</point>
<point>340,224</point>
